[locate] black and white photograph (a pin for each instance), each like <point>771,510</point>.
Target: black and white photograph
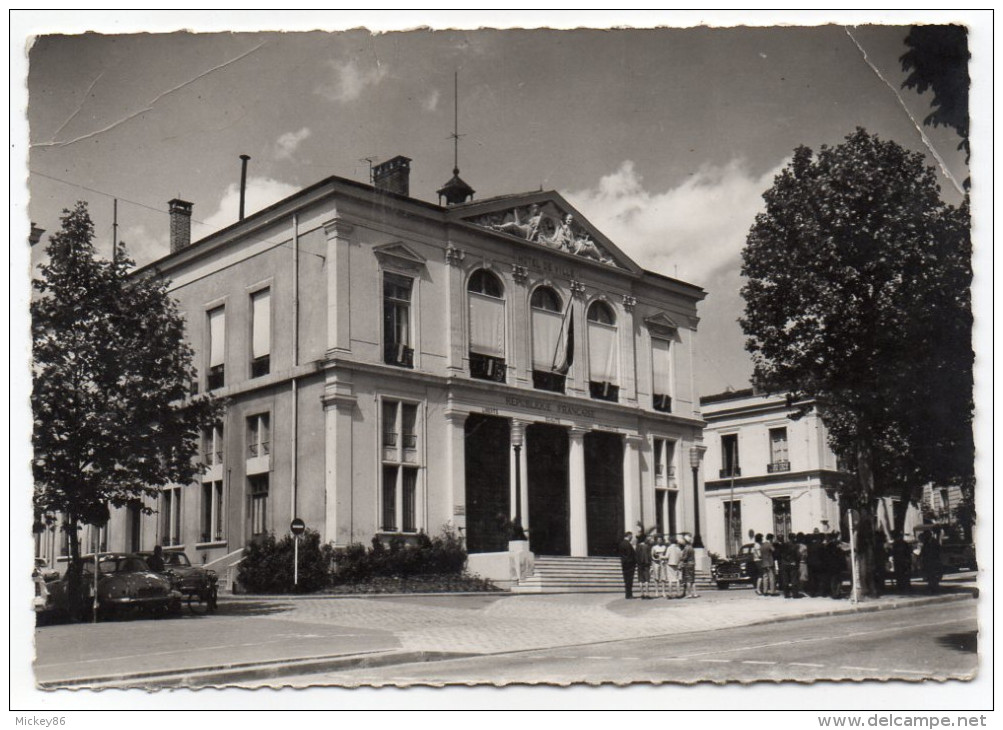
<point>627,359</point>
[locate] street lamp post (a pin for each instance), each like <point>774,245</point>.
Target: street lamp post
<point>696,454</point>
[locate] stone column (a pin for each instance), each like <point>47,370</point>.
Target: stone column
<point>577,382</point>
<point>457,302</point>
<point>456,498</point>
<point>339,406</point>
<point>339,277</point>
<point>519,358</point>
<point>633,488</point>
<point>518,473</point>
<point>578,528</point>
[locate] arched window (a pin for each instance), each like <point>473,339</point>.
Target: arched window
<point>547,323</point>
<point>601,312</point>
<point>487,326</point>
<point>546,299</point>
<point>483,281</point>
<point>602,338</point>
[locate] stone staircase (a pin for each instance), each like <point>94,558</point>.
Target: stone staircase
<point>553,574</point>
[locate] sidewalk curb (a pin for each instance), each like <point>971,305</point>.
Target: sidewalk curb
<point>239,597</point>
<point>229,673</point>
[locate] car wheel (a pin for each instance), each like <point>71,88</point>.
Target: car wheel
<point>198,603</point>
<point>723,585</point>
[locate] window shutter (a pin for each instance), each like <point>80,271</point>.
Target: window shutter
<point>546,334</point>
<point>661,366</point>
<point>217,336</point>
<point>261,341</point>
<point>602,353</point>
<point>487,325</point>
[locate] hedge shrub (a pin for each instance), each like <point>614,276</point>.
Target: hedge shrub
<point>443,554</point>
<point>267,565</point>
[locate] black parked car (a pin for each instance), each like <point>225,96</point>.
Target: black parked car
<point>125,587</point>
<point>198,585</point>
<point>737,569</point>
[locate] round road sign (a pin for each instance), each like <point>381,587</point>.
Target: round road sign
<point>297,526</point>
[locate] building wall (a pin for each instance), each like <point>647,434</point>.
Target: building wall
<point>327,371</point>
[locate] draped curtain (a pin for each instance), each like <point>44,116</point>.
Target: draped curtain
<point>546,335</point>
<point>602,353</point>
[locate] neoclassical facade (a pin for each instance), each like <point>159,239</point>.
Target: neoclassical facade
<point>392,366</point>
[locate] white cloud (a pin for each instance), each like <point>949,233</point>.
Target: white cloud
<point>143,246</point>
<point>287,143</point>
<point>350,80</point>
<point>261,192</point>
<point>431,102</point>
<point>690,231</point>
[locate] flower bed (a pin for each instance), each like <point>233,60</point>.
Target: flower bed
<point>450,583</point>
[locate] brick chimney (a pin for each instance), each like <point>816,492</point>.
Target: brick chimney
<point>393,176</point>
<point>181,223</point>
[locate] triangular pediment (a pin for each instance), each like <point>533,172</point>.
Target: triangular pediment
<point>399,254</point>
<point>661,323</point>
<point>545,219</point>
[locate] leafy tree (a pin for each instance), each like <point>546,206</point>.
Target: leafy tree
<point>857,296</point>
<point>937,60</point>
<point>111,371</point>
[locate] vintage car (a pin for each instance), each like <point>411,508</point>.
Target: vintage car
<point>198,585</point>
<point>736,569</point>
<point>125,586</point>
<point>42,569</point>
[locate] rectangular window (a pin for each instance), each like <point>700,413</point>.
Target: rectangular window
<point>211,523</point>
<point>261,332</point>
<point>399,484</point>
<point>409,488</point>
<point>729,456</point>
<point>390,440</point>
<point>170,516</point>
<point>217,348</point>
<point>664,455</point>
<point>779,460</point>
<point>409,418</point>
<point>733,526</point>
<point>398,349</point>
<point>661,371</point>
<point>389,521</point>
<point>212,446</point>
<point>258,488</point>
<point>258,435</point>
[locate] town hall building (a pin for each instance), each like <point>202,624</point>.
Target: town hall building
<point>391,366</point>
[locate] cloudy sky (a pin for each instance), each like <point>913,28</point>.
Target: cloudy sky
<point>664,138</point>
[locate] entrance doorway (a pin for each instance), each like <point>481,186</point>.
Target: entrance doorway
<point>486,472</point>
<point>547,469</point>
<point>603,491</point>
<point>782,517</point>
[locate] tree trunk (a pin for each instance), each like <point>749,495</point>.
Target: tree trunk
<point>865,533</point>
<point>74,572</point>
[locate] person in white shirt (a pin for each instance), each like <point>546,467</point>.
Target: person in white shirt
<point>673,554</point>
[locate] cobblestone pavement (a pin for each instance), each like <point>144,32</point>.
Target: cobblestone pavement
<point>476,624</point>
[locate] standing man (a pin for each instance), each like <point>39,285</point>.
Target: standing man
<point>643,557</point>
<point>688,565</point>
<point>628,562</point>
<point>767,566</point>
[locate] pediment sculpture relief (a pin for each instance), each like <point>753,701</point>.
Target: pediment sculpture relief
<point>547,226</point>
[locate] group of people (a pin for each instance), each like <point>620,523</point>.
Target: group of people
<point>672,564</point>
<point>801,565</point>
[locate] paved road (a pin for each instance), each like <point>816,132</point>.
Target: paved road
<point>934,641</point>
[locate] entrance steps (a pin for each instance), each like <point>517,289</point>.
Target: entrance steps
<point>560,574</point>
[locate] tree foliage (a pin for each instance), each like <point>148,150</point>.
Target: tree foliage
<point>937,60</point>
<point>113,421</point>
<point>858,296</point>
